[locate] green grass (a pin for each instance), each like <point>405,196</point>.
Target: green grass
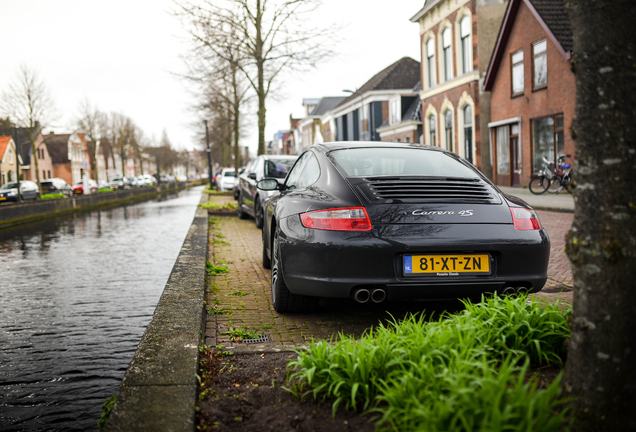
<point>462,372</point>
<point>104,190</point>
<point>240,293</point>
<point>54,195</point>
<point>230,206</point>
<point>215,270</point>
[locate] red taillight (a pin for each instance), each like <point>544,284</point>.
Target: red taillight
<point>525,219</point>
<point>338,219</point>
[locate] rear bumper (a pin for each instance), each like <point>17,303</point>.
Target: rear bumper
<point>334,264</point>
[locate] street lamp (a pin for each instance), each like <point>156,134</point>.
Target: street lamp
<point>207,144</point>
<point>361,106</point>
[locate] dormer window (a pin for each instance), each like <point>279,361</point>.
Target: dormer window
<point>395,111</point>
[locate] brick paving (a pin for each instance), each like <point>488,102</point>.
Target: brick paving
<point>241,298</point>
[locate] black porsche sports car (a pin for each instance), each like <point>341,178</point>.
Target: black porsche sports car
<point>376,221</point>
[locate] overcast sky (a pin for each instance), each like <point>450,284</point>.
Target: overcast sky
<point>122,54</point>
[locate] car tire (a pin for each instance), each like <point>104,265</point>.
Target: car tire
<point>267,262</point>
<point>282,299</point>
<point>258,213</point>
<point>239,209</point>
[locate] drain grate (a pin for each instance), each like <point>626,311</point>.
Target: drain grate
<point>261,339</point>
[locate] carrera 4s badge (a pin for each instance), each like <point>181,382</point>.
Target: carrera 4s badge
<point>462,213</point>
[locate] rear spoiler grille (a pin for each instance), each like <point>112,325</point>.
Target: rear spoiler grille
<point>427,190</point>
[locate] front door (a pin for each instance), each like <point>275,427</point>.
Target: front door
<point>515,161</point>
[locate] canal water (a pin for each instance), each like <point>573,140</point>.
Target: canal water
<point>76,294</point>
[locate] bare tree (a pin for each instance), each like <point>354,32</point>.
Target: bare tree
<point>29,103</point>
<point>273,36</point>
<point>90,122</point>
<point>601,244</point>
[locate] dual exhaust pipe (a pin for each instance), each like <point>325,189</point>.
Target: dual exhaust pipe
<point>510,290</point>
<point>363,295</point>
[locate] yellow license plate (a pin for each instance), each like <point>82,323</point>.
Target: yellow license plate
<point>446,265</point>
<point>3,198</point>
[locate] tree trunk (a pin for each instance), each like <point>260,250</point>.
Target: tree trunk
<point>261,94</point>
<point>235,119</point>
<point>601,244</point>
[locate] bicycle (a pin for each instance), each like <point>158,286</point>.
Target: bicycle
<point>552,181</point>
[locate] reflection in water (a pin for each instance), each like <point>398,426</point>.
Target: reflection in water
<point>76,294</point>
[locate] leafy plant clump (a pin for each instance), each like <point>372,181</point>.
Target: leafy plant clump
<point>465,371</point>
<point>215,270</point>
<point>107,408</point>
<point>229,207</point>
<point>238,334</point>
<point>53,195</point>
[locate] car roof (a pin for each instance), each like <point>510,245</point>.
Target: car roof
<point>339,145</point>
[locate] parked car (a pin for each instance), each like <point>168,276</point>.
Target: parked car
<point>370,221</point>
<point>250,200</point>
<point>78,188</point>
<point>119,183</point>
<point>236,183</point>
<point>28,190</point>
<point>225,179</point>
<point>56,185</point>
<point>146,180</point>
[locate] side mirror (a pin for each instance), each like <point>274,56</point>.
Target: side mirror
<point>252,176</point>
<point>268,185</point>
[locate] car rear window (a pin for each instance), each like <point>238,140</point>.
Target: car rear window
<point>228,174</point>
<point>365,162</point>
<point>278,168</point>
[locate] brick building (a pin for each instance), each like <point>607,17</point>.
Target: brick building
<point>457,37</point>
<point>533,90</point>
<point>69,154</point>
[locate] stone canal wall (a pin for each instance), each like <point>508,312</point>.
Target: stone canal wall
<point>159,389</point>
<point>15,214</point>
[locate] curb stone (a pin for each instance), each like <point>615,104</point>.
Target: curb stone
<point>159,389</point>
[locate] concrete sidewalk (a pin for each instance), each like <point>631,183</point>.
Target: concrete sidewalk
<point>562,202</point>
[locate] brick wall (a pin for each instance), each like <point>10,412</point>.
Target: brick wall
<point>558,97</point>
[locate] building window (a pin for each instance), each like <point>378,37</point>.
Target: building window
<point>446,48</point>
<point>395,107</point>
<point>547,140</point>
<point>10,174</point>
<point>517,73</point>
<point>43,174</point>
<point>432,130</point>
<point>503,150</point>
<point>49,174</point>
<point>397,140</point>
<point>430,63</point>
<point>407,139</point>
<point>448,130</point>
<point>466,46</point>
<point>365,135</point>
<point>540,64</point>
<point>468,133</point>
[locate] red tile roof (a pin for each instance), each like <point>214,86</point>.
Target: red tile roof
<point>4,142</point>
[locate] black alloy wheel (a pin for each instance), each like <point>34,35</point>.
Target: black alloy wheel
<point>258,213</point>
<point>283,300</point>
